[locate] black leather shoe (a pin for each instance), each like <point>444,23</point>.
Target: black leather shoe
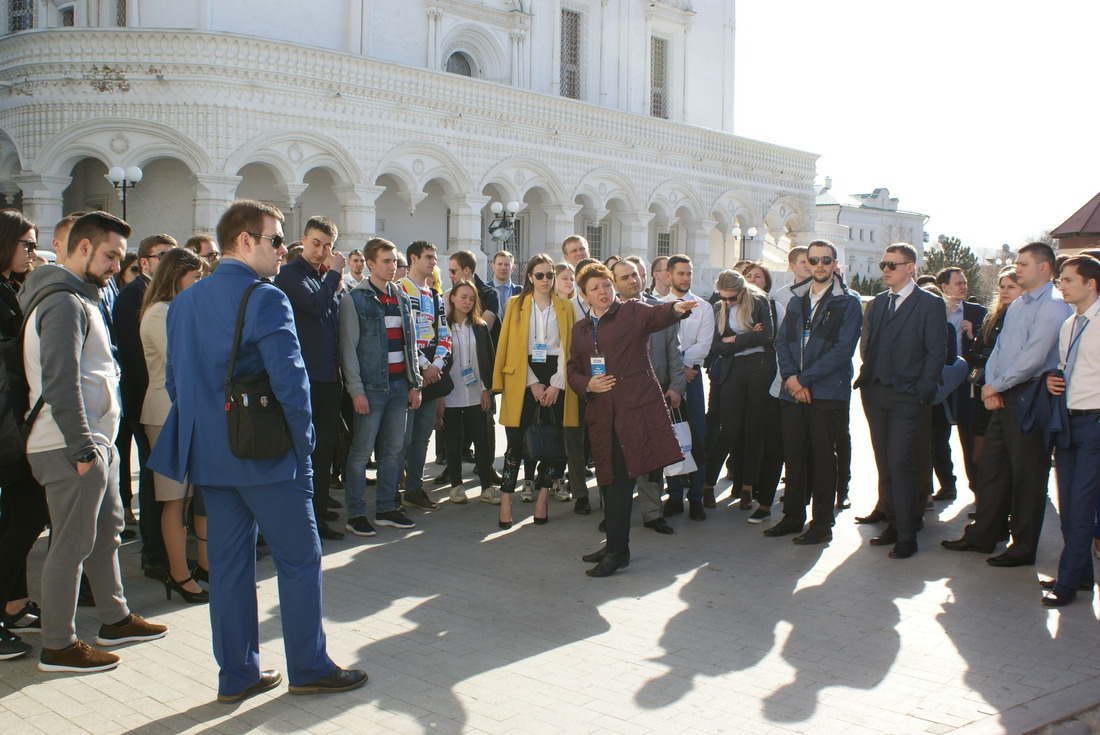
<point>843,503</point>
<point>268,680</point>
<point>468,458</point>
<point>595,556</point>
<point>696,512</point>
<point>963,545</point>
<point>660,525</point>
<point>873,517</point>
<point>945,494</point>
<point>1048,584</point>
<point>1053,599</point>
<point>785,527</point>
<point>334,503</point>
<point>609,564</point>
<point>340,680</point>
<point>672,508</point>
<point>441,478</point>
<point>903,550</point>
<point>328,533</point>
<point>814,536</point>
<point>602,528</point>
<point>330,515</point>
<point>582,507</point>
<point>1007,560</point>
<point>888,537</point>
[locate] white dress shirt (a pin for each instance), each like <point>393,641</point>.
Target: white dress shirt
<point>543,327</point>
<point>1083,366</point>
<point>696,329</point>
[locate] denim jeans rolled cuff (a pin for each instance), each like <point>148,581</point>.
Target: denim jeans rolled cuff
<point>382,432</point>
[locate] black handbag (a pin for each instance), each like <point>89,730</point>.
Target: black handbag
<point>440,388</point>
<point>543,442</point>
<point>254,417</point>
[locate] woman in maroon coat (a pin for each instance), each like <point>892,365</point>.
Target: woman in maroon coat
<point>628,421</point>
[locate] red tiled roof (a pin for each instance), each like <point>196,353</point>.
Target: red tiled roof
<point>1085,221</point>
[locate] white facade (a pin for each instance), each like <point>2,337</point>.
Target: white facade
<point>345,108</point>
<point>863,225</point>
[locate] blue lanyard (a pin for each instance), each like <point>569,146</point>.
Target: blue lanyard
<point>595,332</point>
<point>1073,341</point>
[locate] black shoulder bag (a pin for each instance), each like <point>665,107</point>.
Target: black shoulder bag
<point>257,428</point>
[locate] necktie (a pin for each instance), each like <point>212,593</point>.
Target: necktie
<point>893,305</point>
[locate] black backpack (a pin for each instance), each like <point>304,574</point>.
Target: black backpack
<point>14,389</point>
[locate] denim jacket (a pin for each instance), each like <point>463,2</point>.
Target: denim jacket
<point>364,348</point>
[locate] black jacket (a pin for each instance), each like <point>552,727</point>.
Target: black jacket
<point>719,361</point>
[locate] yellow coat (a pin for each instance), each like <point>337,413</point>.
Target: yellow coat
<point>510,369</point>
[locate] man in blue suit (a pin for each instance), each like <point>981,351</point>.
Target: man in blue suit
<point>273,494</point>
<point>906,346</point>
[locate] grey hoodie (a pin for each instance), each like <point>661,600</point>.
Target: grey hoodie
<point>69,363</point>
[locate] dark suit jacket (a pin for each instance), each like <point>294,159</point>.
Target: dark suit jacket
<point>916,345</point>
<point>126,316</point>
<point>975,314</point>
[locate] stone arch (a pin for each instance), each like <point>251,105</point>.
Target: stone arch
<point>414,164</point>
<point>482,48</point>
<point>293,153</point>
<point>673,196</point>
<point>520,174</point>
<point>733,206</point>
<point>603,184</point>
<point>119,141</point>
<point>787,213</point>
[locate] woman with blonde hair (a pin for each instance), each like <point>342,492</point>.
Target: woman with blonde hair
<point>179,269</point>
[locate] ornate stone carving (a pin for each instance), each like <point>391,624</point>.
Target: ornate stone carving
<point>294,153</point>
<point>418,167</point>
<point>119,144</point>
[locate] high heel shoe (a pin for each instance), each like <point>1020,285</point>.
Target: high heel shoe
<point>199,574</point>
<point>171,585</point>
<point>544,497</point>
<point>505,503</point>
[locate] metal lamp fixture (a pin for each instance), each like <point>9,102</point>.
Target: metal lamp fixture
<point>748,235</point>
<point>124,180</point>
<point>503,226</point>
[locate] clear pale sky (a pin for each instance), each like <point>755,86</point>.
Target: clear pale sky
<point>981,114</point>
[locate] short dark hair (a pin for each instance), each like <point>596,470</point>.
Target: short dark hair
<point>677,259</point>
<point>465,259</point>
<point>763,269</point>
<point>635,259</point>
<point>573,238</point>
<point>95,227</point>
<point>243,215</point>
<point>905,249</point>
<point>1040,251</point>
<point>324,224</point>
<point>67,221</point>
<point>926,280</point>
<point>505,254</point>
<point>194,243</point>
<point>1091,252</point>
<point>944,276</point>
<point>797,250</point>
<point>375,244</point>
<point>355,252</point>
<point>1087,267</point>
<point>583,262</point>
<point>820,244</point>
<point>617,263</point>
<point>145,249</point>
<point>12,226</point>
<point>417,248</point>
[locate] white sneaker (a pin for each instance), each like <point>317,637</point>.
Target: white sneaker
<point>561,491</point>
<point>527,494</point>
<point>458,496</point>
<point>490,495</point>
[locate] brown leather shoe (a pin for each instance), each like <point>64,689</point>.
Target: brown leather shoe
<point>268,680</point>
<point>708,496</point>
<point>79,658</point>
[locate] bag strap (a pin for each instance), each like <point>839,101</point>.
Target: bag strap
<point>237,337</point>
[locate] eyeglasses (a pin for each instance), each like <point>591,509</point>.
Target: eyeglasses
<point>731,299</point>
<point>891,264</point>
<point>276,240</point>
<point>211,257</point>
<point>543,275</point>
<point>30,245</point>
<point>160,255</point>
<point>824,260</point>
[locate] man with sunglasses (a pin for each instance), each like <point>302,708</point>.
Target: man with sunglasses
<point>273,495</point>
<point>904,352</point>
<point>815,345</point>
<point>203,245</point>
<point>126,330</point>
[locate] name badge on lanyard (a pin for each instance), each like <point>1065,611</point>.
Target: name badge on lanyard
<point>468,377</point>
<point>597,364</point>
<point>538,353</point>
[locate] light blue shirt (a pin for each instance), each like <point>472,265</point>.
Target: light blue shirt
<point>1028,344</point>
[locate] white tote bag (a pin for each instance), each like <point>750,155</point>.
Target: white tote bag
<point>683,435</point>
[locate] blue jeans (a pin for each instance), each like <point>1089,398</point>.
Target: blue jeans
<point>1078,490</point>
<point>418,430</point>
<point>385,424</point>
<point>696,411</point>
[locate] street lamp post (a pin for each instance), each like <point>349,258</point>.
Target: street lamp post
<point>748,235</point>
<point>503,226</point>
<point>124,180</point>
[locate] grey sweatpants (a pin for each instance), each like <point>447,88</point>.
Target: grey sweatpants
<point>85,522</point>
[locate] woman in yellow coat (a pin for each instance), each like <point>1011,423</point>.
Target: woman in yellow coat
<point>529,373</point>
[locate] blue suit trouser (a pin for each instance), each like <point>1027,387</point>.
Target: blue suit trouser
<point>283,512</point>
<point>894,419</point>
<point>1078,489</point>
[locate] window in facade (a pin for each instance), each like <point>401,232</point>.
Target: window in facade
<point>67,17</point>
<point>871,235</point>
<point>570,54</point>
<point>594,235</point>
<point>458,63</point>
<point>658,77</point>
<point>120,13</point>
<point>20,15</point>
<point>664,243</point>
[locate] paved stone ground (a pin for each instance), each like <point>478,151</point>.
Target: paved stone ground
<point>714,630</point>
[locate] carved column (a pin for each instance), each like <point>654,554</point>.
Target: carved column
<point>517,38</point>
<point>561,222</point>
<point>465,224</point>
<point>633,232</point>
<point>43,200</point>
<point>213,193</point>
<point>292,227</point>
<point>357,213</point>
<point>435,38</point>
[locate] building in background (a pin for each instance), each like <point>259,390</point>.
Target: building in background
<point>612,118</point>
<point>1081,230</point>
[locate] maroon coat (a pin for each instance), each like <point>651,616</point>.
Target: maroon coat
<point>635,408</point>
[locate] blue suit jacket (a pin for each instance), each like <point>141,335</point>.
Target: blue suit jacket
<point>194,440</point>
<point>917,349</point>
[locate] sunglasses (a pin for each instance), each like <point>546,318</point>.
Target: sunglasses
<point>891,265</point>
<point>276,240</point>
<point>134,269</point>
<point>731,299</point>
<point>543,275</point>
<point>824,260</point>
<point>30,245</point>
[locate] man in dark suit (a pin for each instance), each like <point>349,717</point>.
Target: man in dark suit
<point>966,318</point>
<point>906,347</point>
<point>274,494</point>
<point>126,318</point>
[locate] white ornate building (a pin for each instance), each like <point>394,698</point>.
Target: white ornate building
<point>612,118</point>
<point>863,225</point>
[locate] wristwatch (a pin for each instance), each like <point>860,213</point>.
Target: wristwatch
<point>88,457</point>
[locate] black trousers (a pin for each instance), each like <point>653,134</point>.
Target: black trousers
<point>149,508</point>
<point>1013,475</point>
<point>324,403</point>
<point>941,439</point>
<point>810,432</point>
<point>468,421</point>
<point>743,395</point>
<point>23,515</point>
<point>546,472</point>
<point>844,453</point>
<point>618,501</point>
<point>124,443</point>
<point>894,418</point>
